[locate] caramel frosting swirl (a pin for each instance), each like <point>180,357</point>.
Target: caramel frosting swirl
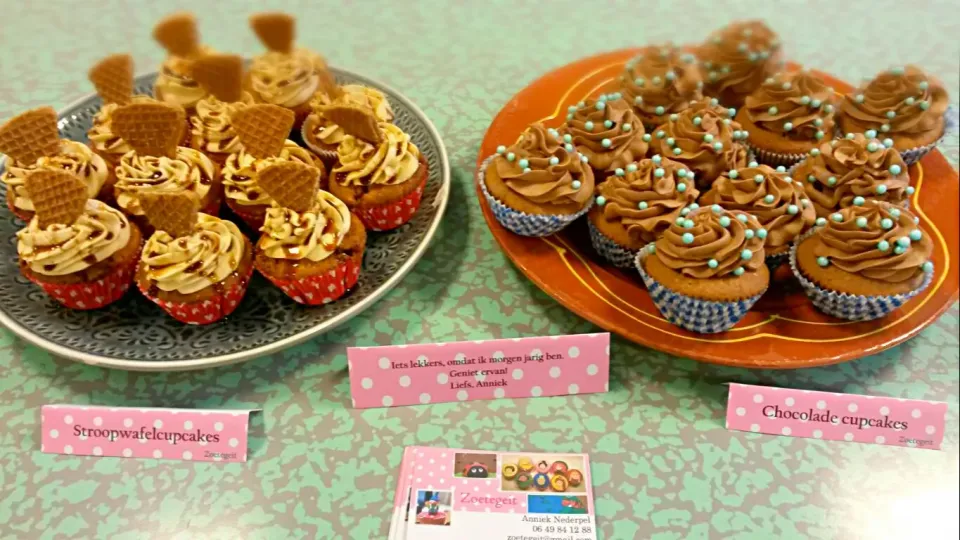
<point>59,250</point>
<point>190,170</point>
<point>777,201</point>
<point>210,127</point>
<point>607,132</point>
<point>661,80</point>
<point>313,235</point>
<point>174,84</point>
<point>838,172</point>
<point>285,79</point>
<point>737,58</point>
<point>393,161</point>
<point>353,94</point>
<point>101,135</point>
<point>192,263</point>
<point>647,197</point>
<point>74,157</point>
<point>709,244</point>
<point>796,105</point>
<point>543,168</point>
<point>875,240</point>
<point>901,101</point>
<point>241,170</point>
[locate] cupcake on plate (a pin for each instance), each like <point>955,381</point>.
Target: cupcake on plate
<point>706,271</point>
<point>32,142</point>
<point>195,266</point>
<point>606,132</point>
<point>380,173</point>
<point>80,251</point>
<point>777,202</point>
<point>789,115</point>
<point>312,245</point>
<point>858,167</point>
<point>904,104</point>
<point>175,84</point>
<point>539,185</point>
<point>156,164</point>
<point>211,127</point>
<point>636,205</point>
<point>322,136</point>
<point>659,81</point>
<point>704,139</point>
<point>262,131</point>
<point>737,59</point>
<point>864,261</point>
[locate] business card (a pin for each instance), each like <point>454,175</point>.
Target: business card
<point>470,370</point>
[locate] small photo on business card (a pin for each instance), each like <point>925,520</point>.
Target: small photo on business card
<point>434,507</point>
<point>474,465</point>
<point>555,473</point>
<point>557,504</point>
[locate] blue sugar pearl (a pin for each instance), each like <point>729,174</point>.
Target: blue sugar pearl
<point>714,102</point>
<point>684,212</point>
<point>818,122</point>
<point>781,168</point>
<point>569,116</point>
<point>688,224</point>
<point>924,85</point>
<point>659,110</point>
<point>724,221</point>
<point>656,159</point>
<point>526,170</point>
<point>793,209</point>
<point>583,158</point>
<point>821,221</point>
<point>626,127</point>
<point>616,95</point>
<point>823,261</point>
<point>895,213</point>
<point>838,217</point>
<point>671,76</point>
<point>567,138</point>
<point>787,126</point>
<point>815,103</point>
<point>576,184</point>
<point>828,108</point>
<point>619,172</point>
<point>632,167</point>
<point>761,233</point>
<point>927,267</point>
<point>652,248</point>
<point>886,223</point>
<point>657,80</point>
<point>815,152</point>
<point>786,86</point>
<point>605,143</point>
<point>601,105</point>
<point>697,120</point>
<point>726,121</point>
<point>671,141</point>
<point>805,100</point>
<point>742,47</point>
<point>523,163</point>
<point>888,143</point>
<point>677,151</point>
<point>897,70</point>
<point>639,81</point>
<point>712,263</point>
<point>871,133</point>
<point>679,221</point>
<point>891,114</point>
<point>768,199</point>
<point>862,222</point>
<point>638,100</point>
<point>742,218</point>
<point>881,189</point>
<point>568,147</point>
<point>658,172</point>
<point>673,117</point>
<point>900,250</point>
<point>646,137</point>
<point>716,208</point>
<point>588,125</point>
<point>832,181</point>
<point>687,238</point>
<point>661,134</point>
<point>910,100</point>
<point>718,146</point>
<point>681,187</point>
<point>746,254</point>
<point>858,201</point>
<point>682,173</point>
<point>753,164</point>
<point>738,271</point>
<point>924,105</point>
<point>501,149</point>
<point>859,98</point>
<point>811,178</point>
<point>885,128</point>
<point>732,112</point>
<point>748,233</point>
<point>694,206</point>
<point>911,190</point>
<point>572,108</point>
<point>849,136</point>
<point>758,179</point>
<point>883,245</point>
<point>608,124</point>
<point>707,137</point>
<point>818,135</point>
<point>554,160</point>
<point>733,174</point>
<point>916,235</point>
<point>769,80</point>
<point>511,156</point>
<point>643,205</point>
<point>601,200</point>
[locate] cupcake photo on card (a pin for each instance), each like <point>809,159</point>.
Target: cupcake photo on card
<point>434,507</point>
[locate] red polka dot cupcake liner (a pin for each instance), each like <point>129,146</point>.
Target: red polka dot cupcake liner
<point>93,294</point>
<point>321,289</point>
<point>209,310</point>
<point>386,217</point>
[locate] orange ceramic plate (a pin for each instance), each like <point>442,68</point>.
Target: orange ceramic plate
<point>783,330</point>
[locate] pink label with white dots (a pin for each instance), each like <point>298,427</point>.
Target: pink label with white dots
<point>836,417</point>
<point>469,370</point>
<point>184,434</point>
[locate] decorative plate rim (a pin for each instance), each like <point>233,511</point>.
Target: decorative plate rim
<point>443,196</point>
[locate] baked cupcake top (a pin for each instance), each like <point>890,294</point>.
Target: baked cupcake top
<point>661,80</point>
<point>74,157</point>
<point>794,105</point>
<point>210,127</point>
<point>241,170</point>
<point>875,240</point>
<point>327,132</point>
<point>840,172</point>
<point>778,202</point>
<point>177,33</point>
<point>737,58</point>
<point>313,234</point>
<point>606,131</point>
<point>391,161</point>
<point>137,174</point>
<point>712,243</point>
<point>544,169</point>
<point>901,101</point>
<point>102,137</point>
<point>647,196</point>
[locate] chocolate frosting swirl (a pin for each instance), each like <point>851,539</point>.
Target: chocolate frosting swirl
<point>916,101</point>
<point>606,147</point>
<point>711,242</point>
<point>800,100</point>
<point>855,246</point>
<point>645,203</point>
<point>661,80</point>
<point>777,202</point>
<point>541,181</point>
<point>737,58</point>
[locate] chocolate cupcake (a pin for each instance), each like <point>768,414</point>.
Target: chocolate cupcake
<point>904,104</point>
<point>737,59</point>
<point>840,173</point>
<point>606,132</point>
<point>789,115</point>
<point>660,81</point>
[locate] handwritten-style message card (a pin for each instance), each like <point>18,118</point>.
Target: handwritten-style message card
<point>500,368</point>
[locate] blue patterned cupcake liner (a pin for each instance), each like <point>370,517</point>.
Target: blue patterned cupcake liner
<point>520,222</point>
<point>774,261</point>
<point>614,253</point>
<point>693,314</point>
<point>851,307</point>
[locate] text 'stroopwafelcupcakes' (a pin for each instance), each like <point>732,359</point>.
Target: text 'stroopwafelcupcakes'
<point>178,35</point>
<point>539,185</point>
<point>737,58</point>
<point>705,272</point>
<point>904,104</point>
<point>659,81</point>
<point>80,251</point>
<point>312,245</point>
<point>635,205</point>
<point>195,266</point>
<point>211,124</point>
<point>606,132</point>
<point>790,114</point>
<point>864,261</point>
<point>322,135</point>
<point>848,171</point>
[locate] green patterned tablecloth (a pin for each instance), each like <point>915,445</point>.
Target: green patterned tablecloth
<point>664,466</point>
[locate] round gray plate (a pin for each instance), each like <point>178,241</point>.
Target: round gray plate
<point>135,334</point>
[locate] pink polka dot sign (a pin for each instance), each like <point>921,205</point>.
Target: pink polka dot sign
<point>155,433</point>
<point>836,417</point>
<point>462,371</point>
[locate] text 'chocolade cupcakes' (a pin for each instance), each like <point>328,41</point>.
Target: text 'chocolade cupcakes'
<point>904,104</point>
<point>848,171</point>
<point>322,135</point>
<point>864,261</point>
<point>539,185</point>
<point>635,205</point>
<point>705,272</point>
<point>705,139</point>
<point>659,81</point>
<point>789,115</point>
<point>737,58</point>
<point>606,131</point>
<point>778,203</point>
<point>175,84</point>
<point>211,127</point>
